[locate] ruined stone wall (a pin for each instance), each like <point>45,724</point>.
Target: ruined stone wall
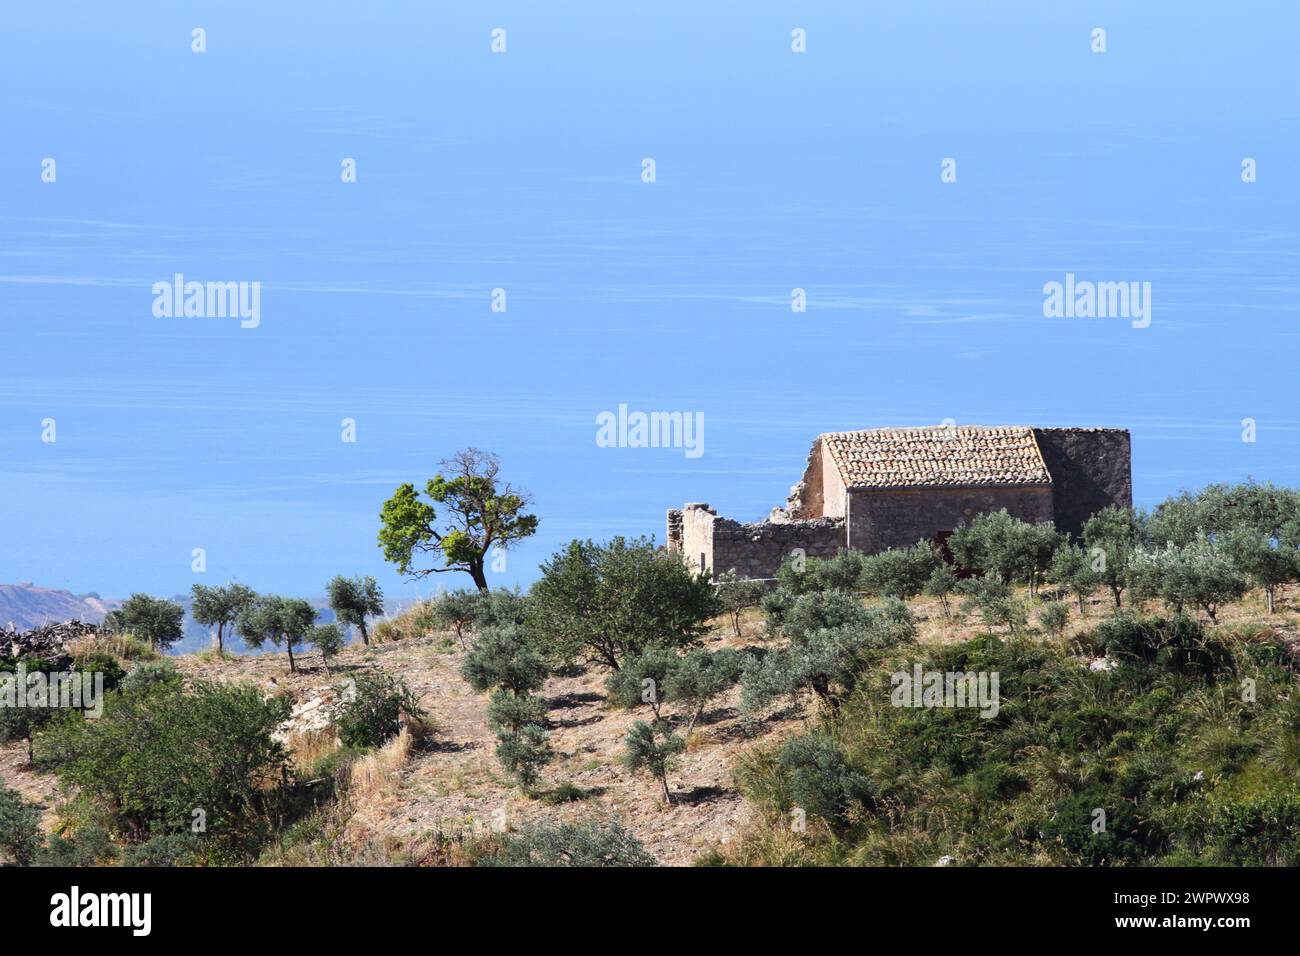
<point>673,539</point>
<point>717,545</point>
<point>899,518</point>
<point>697,535</point>
<point>757,550</point>
<point>805,499</point>
<point>1091,468</point>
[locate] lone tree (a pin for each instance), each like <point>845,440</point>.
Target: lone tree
<point>480,511</point>
<point>157,620</point>
<point>279,620</point>
<point>353,599</point>
<point>220,606</point>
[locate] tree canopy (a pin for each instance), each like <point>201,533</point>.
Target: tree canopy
<point>480,511</point>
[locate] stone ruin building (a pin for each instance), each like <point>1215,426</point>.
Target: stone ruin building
<point>891,487</point>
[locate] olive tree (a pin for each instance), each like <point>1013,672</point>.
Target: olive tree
<point>353,600</point>
<point>220,607</point>
<point>605,603</point>
<point>157,620</point>
<point>283,622</point>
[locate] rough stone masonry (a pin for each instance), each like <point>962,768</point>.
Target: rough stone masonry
<point>891,487</point>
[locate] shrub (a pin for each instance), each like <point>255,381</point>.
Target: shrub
<point>1260,830</point>
<point>146,674</point>
<point>818,779</point>
<point>511,713</point>
<point>174,849</point>
<point>800,575</point>
<point>583,844</point>
<point>500,608</point>
<point>1055,617</point>
<point>504,657</point>
<point>1073,826</point>
<point>996,601</point>
<point>901,572</point>
<point>372,713</point>
<point>610,602</point>
<point>653,749</point>
<point>20,827</point>
<point>89,845</point>
<point>775,605</point>
<point>822,610</point>
<point>103,663</point>
<point>1200,574</point>
<point>503,661</point>
<point>1177,644</point>
<point>523,753</point>
<point>329,640</point>
<point>159,754</point>
<point>643,679</point>
<point>831,646</point>
<point>700,676</point>
<point>22,723</point>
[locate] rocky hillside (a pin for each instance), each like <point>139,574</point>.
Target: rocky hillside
<point>455,784</point>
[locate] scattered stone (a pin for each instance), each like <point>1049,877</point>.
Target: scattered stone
<point>51,643</point>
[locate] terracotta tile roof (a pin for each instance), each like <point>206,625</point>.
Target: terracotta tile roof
<point>938,456</point>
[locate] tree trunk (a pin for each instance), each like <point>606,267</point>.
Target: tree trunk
<point>1115,594</point>
<point>365,636</point>
<point>221,643</point>
<point>1268,593</point>
<point>476,572</point>
<point>668,797</point>
<point>292,668</point>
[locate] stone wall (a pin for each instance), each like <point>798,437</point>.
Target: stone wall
<point>717,545</point>
<point>674,535</point>
<point>1091,468</point>
<point>899,518</point>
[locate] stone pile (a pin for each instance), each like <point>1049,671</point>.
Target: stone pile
<point>51,643</point>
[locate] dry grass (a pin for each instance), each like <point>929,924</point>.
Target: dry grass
<point>307,748</point>
<point>378,775</point>
<point>125,647</point>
